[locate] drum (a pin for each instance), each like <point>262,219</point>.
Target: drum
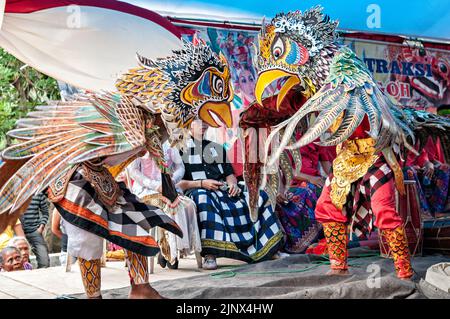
<point>437,235</point>
<point>408,207</point>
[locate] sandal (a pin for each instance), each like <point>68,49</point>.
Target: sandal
<point>210,263</point>
<point>162,261</point>
<point>174,265</point>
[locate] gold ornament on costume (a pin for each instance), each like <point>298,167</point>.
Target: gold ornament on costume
<point>351,163</point>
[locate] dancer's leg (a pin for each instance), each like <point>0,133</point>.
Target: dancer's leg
<point>335,231</point>
<point>91,277</point>
<point>390,224</point>
<point>138,271</point>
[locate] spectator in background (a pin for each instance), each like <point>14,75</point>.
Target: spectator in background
<point>432,177</point>
<point>147,185</point>
<point>10,259</point>
<point>33,222</point>
<point>21,243</point>
<point>9,233</point>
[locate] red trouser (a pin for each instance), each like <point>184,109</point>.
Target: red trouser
<point>382,204</point>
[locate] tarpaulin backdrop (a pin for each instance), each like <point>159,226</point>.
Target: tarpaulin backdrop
<point>414,77</point>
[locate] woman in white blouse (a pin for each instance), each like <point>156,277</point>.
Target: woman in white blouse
<point>146,184</point>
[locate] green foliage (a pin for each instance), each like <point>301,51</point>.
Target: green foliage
<point>21,89</point>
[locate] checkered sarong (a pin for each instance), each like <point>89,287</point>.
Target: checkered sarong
<point>359,199</point>
<point>126,225</point>
<point>227,231</point>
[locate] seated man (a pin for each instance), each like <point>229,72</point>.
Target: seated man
<point>226,229</point>
<point>10,259</point>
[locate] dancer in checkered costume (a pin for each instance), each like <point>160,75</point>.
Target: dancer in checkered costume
<point>127,224</point>
<point>325,81</point>
<point>226,229</point>
<point>370,203</point>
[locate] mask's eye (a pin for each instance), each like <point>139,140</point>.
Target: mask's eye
<point>217,84</point>
<point>422,52</point>
<point>278,48</point>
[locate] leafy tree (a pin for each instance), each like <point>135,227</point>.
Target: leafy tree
<point>21,89</point>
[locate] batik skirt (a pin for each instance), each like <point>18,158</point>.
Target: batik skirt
<point>226,229</point>
<point>298,219</point>
<point>127,224</point>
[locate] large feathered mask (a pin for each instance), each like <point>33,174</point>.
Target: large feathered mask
<point>295,49</point>
<point>192,83</point>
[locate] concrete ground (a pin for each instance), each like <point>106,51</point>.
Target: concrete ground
<point>52,282</point>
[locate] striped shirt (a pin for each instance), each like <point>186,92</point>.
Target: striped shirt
<point>36,214</point>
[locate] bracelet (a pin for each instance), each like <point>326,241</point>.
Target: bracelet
<point>201,183</point>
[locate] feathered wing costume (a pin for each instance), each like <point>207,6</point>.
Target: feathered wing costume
<point>300,51</point>
<point>161,97</point>
<point>75,149</point>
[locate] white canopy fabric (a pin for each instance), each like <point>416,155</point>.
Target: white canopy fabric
<point>88,44</point>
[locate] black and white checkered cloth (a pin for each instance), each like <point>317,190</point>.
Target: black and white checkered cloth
<point>362,217</point>
<point>127,225</point>
<point>226,229</point>
<point>205,160</point>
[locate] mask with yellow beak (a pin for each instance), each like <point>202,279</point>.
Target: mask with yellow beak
<point>192,83</point>
<point>296,50</point>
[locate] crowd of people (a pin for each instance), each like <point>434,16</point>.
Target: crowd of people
<point>26,235</point>
<point>213,212</point>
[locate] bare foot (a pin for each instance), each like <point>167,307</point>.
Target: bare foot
<point>144,291</point>
<point>339,272</point>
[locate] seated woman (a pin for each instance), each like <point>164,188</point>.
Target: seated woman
<point>10,259</point>
<point>226,229</point>
<point>21,243</point>
<point>296,204</point>
<point>432,178</point>
<point>146,184</point>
